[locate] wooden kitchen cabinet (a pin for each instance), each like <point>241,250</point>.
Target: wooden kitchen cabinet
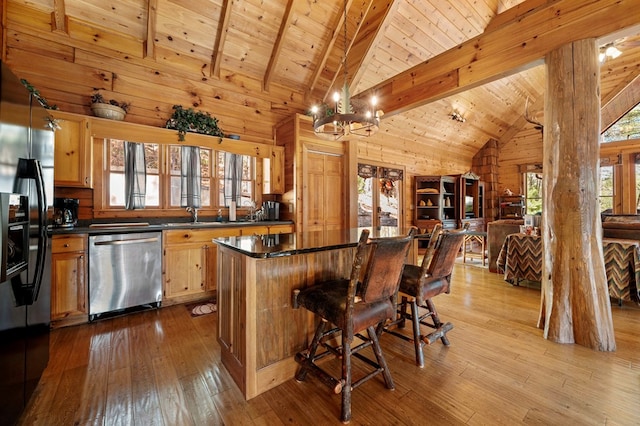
<point>280,229</point>
<point>72,154</point>
<point>273,178</point>
<point>69,280</point>
<point>189,263</point>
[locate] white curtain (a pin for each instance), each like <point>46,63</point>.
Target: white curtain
<point>135,175</point>
<point>190,177</point>
<point>232,178</point>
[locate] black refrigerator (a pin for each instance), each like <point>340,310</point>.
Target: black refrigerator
<point>26,197</point>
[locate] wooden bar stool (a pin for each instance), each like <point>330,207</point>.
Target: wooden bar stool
<point>471,238</point>
<point>365,301</point>
<point>418,286</point>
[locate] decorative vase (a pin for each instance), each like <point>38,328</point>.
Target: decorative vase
<point>112,112</point>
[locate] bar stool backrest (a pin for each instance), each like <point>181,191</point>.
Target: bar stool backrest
<point>385,261</point>
<point>444,253</point>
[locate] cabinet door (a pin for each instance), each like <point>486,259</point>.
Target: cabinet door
<point>185,270</point>
<point>273,173</point>
<point>72,154</point>
<point>68,285</point>
<point>211,253</point>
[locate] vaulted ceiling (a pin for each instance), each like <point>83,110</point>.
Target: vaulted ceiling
<point>289,53</point>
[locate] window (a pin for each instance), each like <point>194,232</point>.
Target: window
<point>379,190</point>
<point>175,169</point>
<point>116,174</point>
<point>533,192</point>
<point>163,167</point>
<point>245,171</point>
<point>628,127</point>
<point>606,188</point>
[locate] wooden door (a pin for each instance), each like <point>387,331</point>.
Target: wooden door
<point>323,194</point>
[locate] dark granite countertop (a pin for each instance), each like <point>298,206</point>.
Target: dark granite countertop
<point>266,246</point>
<point>155,225</point>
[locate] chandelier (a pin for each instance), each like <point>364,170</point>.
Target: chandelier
<point>346,117</point>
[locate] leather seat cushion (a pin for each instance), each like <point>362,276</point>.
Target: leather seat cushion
<point>329,300</point>
<point>428,288</point>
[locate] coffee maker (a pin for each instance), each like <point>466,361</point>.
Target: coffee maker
<point>65,212</point>
<point>271,210</point>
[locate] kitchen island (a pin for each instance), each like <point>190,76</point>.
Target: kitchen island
<point>258,330</point>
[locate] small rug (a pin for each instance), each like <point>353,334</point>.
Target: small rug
<point>202,308</point>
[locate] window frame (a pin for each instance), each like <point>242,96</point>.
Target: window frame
<point>101,192</point>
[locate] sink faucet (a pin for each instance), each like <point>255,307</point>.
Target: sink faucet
<point>194,213</point>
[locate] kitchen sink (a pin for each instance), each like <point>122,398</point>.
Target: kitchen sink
<point>193,225</point>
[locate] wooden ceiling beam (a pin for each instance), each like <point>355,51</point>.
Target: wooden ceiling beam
<point>277,48</point>
<point>150,42</point>
<point>337,31</point>
<point>369,35</point>
<point>625,99</point>
<point>59,19</point>
<point>221,36</point>
<point>506,48</point>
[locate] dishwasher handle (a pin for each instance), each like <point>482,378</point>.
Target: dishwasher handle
<point>123,242</point>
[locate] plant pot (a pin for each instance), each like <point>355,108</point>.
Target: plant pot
<point>109,111</point>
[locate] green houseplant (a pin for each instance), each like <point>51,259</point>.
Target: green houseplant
<point>110,109</point>
<point>189,120</point>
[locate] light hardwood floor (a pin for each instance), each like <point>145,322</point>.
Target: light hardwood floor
<point>163,368</point>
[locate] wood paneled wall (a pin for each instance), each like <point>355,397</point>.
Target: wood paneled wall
<point>524,148</point>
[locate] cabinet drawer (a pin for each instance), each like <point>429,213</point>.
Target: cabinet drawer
<point>281,229</point>
<point>68,243</point>
<point>198,235</point>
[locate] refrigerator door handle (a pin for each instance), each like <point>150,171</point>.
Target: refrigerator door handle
<point>30,168</point>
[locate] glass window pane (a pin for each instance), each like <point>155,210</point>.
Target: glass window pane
<point>205,174</point>
<point>606,188</point>
<point>175,160</point>
<point>175,191</point>
<point>533,192</point>
<point>116,190</point>
<point>152,197</point>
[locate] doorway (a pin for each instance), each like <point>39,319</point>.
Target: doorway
<point>380,192</point>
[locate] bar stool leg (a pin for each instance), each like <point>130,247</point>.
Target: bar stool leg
<point>436,321</point>
<point>382,362</point>
<point>306,365</point>
<point>417,341</point>
<point>345,415</point>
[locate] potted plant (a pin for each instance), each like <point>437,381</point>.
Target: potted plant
<point>189,120</point>
<point>110,109</point>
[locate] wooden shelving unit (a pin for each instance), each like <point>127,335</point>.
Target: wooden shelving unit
<point>512,206</point>
<point>436,201</point>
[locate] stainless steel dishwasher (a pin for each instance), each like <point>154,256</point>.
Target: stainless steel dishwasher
<point>125,271</point>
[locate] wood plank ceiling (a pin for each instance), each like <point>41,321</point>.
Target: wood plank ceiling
<point>286,53</point>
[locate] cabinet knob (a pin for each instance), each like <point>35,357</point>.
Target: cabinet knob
<point>66,245</point>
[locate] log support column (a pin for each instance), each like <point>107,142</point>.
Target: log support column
<point>575,306</point>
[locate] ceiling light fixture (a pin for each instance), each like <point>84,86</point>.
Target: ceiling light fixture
<point>456,116</point>
<point>346,118</point>
<point>608,51</point>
